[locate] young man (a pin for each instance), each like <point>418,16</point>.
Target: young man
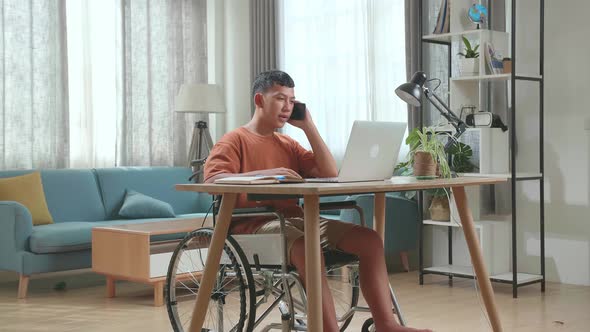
<point>257,149</point>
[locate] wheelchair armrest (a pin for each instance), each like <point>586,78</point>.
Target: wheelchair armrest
<point>270,197</point>
<point>254,210</point>
<point>342,205</point>
<point>345,205</point>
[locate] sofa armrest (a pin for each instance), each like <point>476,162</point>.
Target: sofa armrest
<point>16,225</point>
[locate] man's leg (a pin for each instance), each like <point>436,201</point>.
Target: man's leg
<point>328,310</point>
<point>367,245</point>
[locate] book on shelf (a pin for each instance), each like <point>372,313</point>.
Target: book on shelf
<point>270,179</point>
<point>444,18</point>
<point>493,61</point>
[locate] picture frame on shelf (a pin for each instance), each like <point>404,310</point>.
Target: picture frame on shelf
<point>493,61</point>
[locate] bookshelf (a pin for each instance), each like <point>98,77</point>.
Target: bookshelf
<point>476,90</point>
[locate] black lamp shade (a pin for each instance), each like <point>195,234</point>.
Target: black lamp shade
<point>411,92</point>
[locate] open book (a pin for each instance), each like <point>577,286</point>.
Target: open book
<point>259,179</point>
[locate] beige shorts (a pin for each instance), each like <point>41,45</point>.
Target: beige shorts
<point>331,231</point>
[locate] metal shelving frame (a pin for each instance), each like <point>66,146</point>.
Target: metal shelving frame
<point>514,178</point>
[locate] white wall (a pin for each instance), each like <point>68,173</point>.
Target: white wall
<point>567,138</point>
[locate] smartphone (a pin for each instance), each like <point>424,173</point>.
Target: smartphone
<point>298,111</point>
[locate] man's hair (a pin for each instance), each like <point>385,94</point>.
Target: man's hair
<point>267,79</point>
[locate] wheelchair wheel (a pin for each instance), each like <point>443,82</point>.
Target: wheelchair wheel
<point>232,302</point>
<point>344,285</point>
<point>368,326</point>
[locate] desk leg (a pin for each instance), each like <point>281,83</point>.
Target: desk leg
<point>213,258</point>
<point>313,263</point>
<point>483,279</point>
<point>379,215</point>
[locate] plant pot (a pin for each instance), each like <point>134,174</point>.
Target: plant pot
<point>424,164</point>
<point>439,209</point>
<point>469,66</point>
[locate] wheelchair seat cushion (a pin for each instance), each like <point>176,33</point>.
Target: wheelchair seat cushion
<point>331,231</point>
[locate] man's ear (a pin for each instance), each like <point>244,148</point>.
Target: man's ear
<point>259,100</point>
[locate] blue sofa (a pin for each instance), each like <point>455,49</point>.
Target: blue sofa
<point>79,199</point>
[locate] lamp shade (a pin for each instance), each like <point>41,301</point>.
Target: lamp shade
<point>411,92</point>
<point>200,98</point>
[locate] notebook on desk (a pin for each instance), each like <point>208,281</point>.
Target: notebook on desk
<point>258,179</point>
<point>371,152</point>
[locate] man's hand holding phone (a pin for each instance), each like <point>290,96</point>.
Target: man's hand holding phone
<point>299,110</point>
<point>300,116</point>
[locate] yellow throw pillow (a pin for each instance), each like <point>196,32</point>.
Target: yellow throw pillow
<point>27,190</point>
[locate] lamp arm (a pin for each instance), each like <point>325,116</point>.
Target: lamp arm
<point>447,113</point>
<point>453,119</point>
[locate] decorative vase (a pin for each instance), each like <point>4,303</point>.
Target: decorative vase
<point>507,62</point>
<point>424,164</point>
<point>439,209</point>
<point>469,66</point>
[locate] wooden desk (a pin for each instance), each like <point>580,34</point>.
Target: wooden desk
<point>311,193</point>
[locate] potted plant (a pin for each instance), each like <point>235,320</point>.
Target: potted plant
<point>427,155</point>
<point>459,156</point>
<point>469,64</point>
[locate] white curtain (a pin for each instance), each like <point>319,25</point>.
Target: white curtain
<point>92,59</point>
<point>127,61</point>
<point>164,45</point>
<point>33,81</point>
<point>347,58</point>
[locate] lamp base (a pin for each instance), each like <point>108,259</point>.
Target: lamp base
<point>201,145</point>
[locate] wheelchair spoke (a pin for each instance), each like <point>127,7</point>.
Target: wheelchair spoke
<point>227,303</point>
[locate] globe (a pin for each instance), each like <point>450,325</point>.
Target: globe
<point>478,13</point>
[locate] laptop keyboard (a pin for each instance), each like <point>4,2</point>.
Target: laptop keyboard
<point>334,179</point>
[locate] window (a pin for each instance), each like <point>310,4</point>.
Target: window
<point>92,82</point>
<point>347,58</point>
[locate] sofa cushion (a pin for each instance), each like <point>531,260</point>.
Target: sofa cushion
<point>71,194</point>
<point>28,190</point>
<point>156,182</point>
<point>77,235</point>
<point>138,205</point>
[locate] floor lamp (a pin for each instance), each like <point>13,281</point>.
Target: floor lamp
<point>199,98</point>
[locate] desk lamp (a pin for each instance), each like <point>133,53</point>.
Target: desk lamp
<point>411,93</point>
<point>200,98</point>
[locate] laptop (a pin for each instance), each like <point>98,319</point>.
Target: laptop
<point>371,153</point>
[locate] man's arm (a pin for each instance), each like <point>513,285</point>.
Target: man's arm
<point>325,163</point>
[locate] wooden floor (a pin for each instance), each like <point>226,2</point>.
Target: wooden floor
<point>83,307</point>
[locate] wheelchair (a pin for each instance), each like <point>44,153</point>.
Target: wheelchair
<point>254,280</point>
